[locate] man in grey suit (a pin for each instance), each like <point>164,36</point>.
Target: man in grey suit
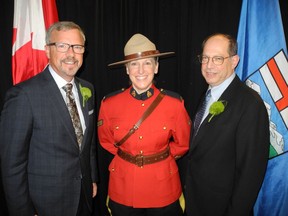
<point>228,152</point>
<point>46,169</point>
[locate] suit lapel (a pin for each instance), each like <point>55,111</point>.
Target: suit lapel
<point>226,96</point>
<point>84,110</point>
<point>58,104</point>
<point>84,107</point>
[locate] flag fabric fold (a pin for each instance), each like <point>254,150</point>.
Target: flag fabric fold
<point>31,19</point>
<point>264,67</point>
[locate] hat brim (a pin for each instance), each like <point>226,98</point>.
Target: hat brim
<point>141,57</point>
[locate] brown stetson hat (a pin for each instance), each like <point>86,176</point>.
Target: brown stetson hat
<point>139,47</point>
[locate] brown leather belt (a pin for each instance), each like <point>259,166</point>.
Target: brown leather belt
<point>141,160</point>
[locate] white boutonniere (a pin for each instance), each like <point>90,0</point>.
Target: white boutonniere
<point>86,94</point>
<point>217,108</point>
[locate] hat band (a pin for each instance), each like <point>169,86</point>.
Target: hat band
<point>141,54</point>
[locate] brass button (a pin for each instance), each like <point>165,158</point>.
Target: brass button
<point>164,128</point>
<point>142,104</point>
<point>116,127</point>
<point>140,137</point>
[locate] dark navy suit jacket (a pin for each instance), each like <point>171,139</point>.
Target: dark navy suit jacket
<point>227,159</point>
<point>43,169</point>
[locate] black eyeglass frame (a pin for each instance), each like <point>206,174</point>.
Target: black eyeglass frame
<point>66,47</point>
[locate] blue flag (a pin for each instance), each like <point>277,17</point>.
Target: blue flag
<point>264,67</point>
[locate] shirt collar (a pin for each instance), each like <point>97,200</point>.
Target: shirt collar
<point>216,91</point>
<point>58,79</point>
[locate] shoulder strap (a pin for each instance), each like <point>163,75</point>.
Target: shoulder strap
<point>147,112</point>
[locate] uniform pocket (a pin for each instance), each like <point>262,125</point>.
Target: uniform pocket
<point>115,169</point>
<point>168,169</point>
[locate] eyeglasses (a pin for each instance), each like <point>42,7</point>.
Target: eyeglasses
<point>217,60</point>
<point>64,47</point>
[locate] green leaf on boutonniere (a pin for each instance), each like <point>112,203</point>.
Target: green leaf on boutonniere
<point>217,108</point>
<point>86,94</point>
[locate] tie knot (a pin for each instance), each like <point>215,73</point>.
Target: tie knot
<point>208,95</point>
<point>68,87</point>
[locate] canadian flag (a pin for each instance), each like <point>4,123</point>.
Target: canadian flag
<point>31,19</point>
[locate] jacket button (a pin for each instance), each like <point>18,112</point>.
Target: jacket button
<point>79,177</point>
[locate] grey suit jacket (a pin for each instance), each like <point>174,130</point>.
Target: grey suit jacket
<point>43,169</point>
<point>227,159</point>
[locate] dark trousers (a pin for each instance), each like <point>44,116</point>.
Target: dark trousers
<point>117,209</point>
<point>83,209</point>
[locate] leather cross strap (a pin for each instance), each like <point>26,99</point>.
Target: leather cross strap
<point>147,112</point>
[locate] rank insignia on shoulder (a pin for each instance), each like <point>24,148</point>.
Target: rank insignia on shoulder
<point>100,122</point>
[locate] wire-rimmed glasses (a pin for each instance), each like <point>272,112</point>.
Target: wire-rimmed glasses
<point>217,60</point>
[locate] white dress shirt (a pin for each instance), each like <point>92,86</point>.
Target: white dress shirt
<point>216,92</point>
<point>60,83</point>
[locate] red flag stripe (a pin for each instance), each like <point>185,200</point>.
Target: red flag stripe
<point>49,12</point>
<point>283,88</point>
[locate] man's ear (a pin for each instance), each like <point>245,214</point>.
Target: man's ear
<point>235,61</point>
<point>47,51</point>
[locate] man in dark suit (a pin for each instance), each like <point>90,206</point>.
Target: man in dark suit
<point>228,153</point>
<point>47,169</point>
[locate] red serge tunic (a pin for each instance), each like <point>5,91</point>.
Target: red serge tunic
<point>153,185</point>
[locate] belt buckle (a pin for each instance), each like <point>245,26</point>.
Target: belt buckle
<point>139,160</point>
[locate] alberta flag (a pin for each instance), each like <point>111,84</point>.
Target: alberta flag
<point>31,19</point>
<point>263,66</point>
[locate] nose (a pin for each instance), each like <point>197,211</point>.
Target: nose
<point>70,51</point>
<point>141,68</point>
<point>210,63</point>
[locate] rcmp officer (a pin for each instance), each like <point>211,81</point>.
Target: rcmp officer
<point>147,133</point>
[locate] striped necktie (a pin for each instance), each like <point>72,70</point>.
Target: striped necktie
<point>71,105</point>
<point>200,113</point>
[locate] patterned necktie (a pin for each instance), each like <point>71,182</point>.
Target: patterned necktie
<point>73,112</point>
<point>200,113</point>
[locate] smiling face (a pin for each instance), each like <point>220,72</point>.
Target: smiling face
<point>68,63</point>
<point>216,74</point>
<point>141,73</point>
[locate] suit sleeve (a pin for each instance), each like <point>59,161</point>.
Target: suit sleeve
<point>93,162</point>
<point>15,133</point>
<point>252,149</point>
